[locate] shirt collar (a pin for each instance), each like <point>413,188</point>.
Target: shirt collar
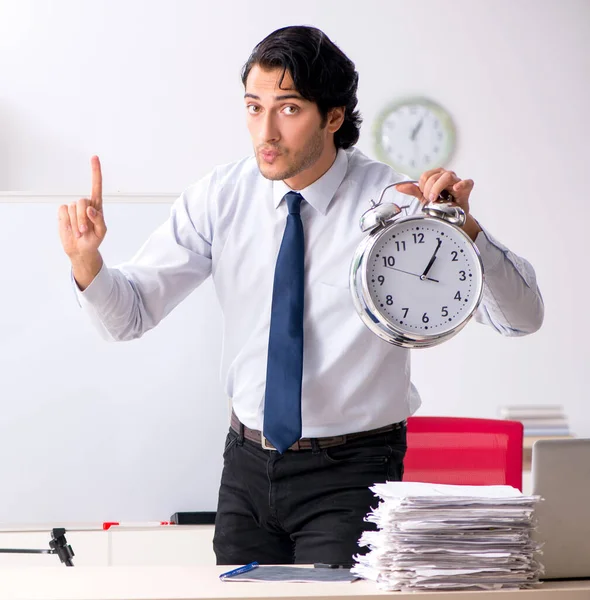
<point>320,193</point>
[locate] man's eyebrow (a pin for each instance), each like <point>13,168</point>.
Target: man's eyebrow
<point>281,97</point>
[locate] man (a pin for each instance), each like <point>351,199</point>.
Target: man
<point>319,401</point>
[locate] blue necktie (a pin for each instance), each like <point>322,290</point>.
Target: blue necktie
<point>282,402</point>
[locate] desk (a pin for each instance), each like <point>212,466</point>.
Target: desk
<point>202,583</point>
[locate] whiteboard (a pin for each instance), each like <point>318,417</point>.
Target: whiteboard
<point>94,430</point>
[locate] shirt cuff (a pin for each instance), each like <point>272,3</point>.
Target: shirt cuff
<point>492,252</point>
<point>99,290</point>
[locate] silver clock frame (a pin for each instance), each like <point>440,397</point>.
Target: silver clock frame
<point>378,222</point>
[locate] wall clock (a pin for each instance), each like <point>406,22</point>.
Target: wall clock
<point>414,135</point>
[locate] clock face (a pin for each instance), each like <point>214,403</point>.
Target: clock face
<point>414,136</point>
<point>423,276</point>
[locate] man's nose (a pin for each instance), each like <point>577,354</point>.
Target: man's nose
<point>269,131</point>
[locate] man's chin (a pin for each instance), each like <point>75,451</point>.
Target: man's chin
<point>273,173</point>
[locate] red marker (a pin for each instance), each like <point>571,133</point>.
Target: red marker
<point>108,524</point>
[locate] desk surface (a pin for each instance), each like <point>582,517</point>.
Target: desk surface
<point>202,583</point>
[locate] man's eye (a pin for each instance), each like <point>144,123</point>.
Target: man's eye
<point>253,109</point>
<point>291,110</point>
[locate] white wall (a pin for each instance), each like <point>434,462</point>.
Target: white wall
<point>153,88</point>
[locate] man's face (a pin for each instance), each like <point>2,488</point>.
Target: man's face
<point>287,131</point>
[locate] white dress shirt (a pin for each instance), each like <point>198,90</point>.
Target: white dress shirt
<point>230,225</point>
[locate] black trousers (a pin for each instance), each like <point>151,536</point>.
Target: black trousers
<point>302,506</point>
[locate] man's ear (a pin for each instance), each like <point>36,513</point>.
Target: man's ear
<point>335,118</point>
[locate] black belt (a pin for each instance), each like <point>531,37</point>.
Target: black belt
<point>306,443</point>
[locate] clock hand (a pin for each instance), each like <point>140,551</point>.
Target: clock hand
<point>416,129</point>
<point>431,262</point>
<point>414,274</point>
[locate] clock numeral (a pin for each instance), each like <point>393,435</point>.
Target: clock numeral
<point>463,276</point>
<point>400,245</point>
<point>389,300</point>
<point>444,311</point>
<point>418,238</point>
<point>425,318</point>
<point>405,312</point>
<point>388,261</point>
<point>457,296</point>
<point>381,279</point>
<point>455,254</point>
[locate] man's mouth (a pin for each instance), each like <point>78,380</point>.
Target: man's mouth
<point>269,156</point>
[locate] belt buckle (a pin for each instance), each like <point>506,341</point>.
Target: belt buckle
<point>266,445</point>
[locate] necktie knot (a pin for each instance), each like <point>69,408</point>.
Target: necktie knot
<point>293,200</point>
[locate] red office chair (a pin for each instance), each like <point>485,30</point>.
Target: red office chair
<point>464,451</point>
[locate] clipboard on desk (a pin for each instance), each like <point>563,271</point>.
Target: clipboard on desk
<point>288,574</point>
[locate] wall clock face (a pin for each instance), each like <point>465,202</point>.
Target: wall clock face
<point>414,135</point>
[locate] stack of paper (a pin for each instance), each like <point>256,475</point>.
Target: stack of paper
<point>543,420</point>
<point>433,536</point>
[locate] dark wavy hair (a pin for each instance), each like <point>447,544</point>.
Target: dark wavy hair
<point>321,72</point>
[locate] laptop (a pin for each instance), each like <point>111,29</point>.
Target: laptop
<point>561,475</point>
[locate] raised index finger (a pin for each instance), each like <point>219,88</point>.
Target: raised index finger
<point>96,197</point>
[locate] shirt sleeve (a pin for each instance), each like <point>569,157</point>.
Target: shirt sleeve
<point>126,301</point>
<point>511,303</point>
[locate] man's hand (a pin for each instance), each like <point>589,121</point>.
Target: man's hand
<point>433,182</point>
<point>82,229</point>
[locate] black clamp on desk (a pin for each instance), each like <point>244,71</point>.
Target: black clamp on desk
<point>57,545</point>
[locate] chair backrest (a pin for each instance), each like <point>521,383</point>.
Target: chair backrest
<point>464,451</point>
